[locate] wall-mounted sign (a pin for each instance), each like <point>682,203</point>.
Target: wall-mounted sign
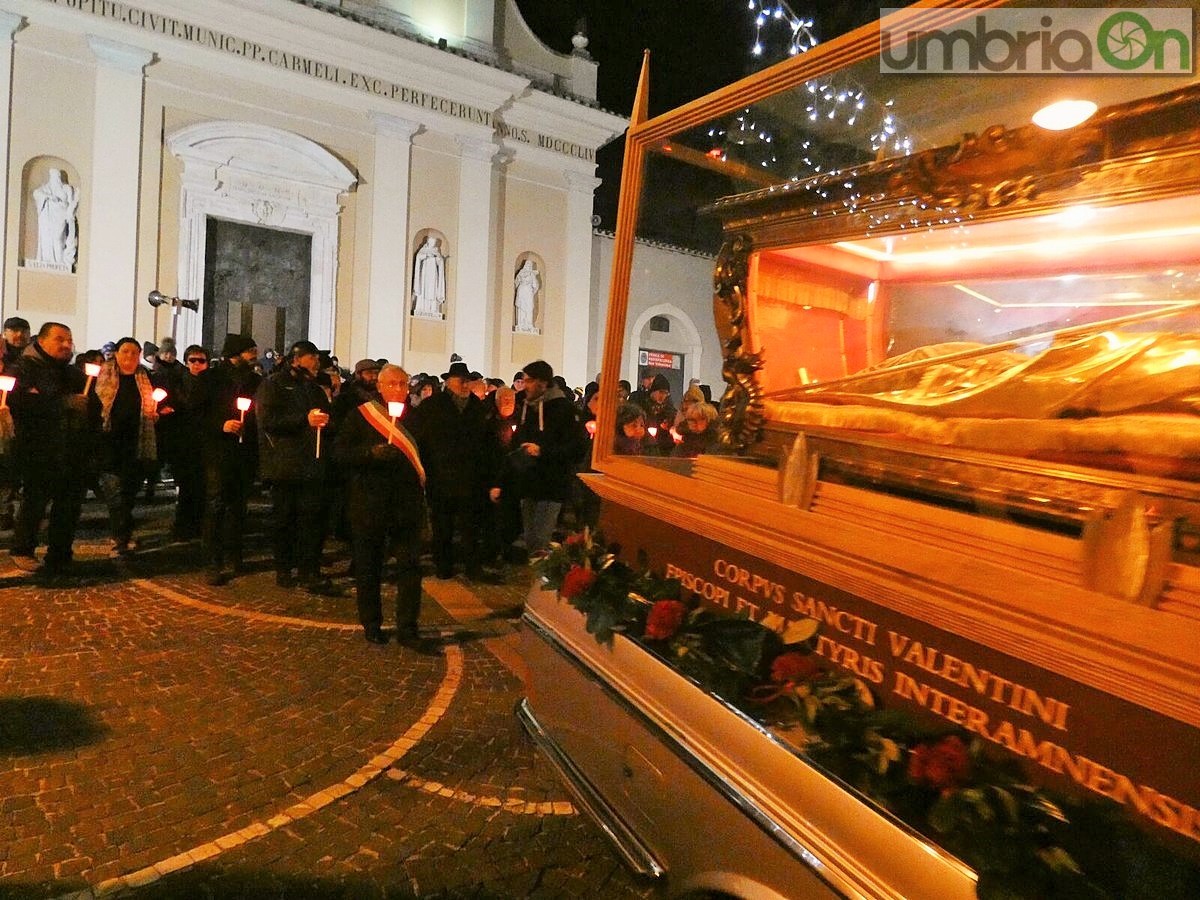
<point>657,359</point>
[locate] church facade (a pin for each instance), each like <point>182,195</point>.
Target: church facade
<point>402,178</point>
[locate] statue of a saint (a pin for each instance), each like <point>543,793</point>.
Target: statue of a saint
<point>56,203</point>
<point>527,284</point>
<point>429,280</point>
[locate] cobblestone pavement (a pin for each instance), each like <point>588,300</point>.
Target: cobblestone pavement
<point>163,738</point>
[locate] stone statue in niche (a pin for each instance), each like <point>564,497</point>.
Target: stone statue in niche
<point>527,284</point>
<point>58,242</point>
<point>429,280</point>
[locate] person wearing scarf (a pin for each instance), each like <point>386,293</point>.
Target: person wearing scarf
<point>386,506</point>
<point>127,416</point>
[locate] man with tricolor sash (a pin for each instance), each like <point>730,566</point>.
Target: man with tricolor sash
<point>385,503</point>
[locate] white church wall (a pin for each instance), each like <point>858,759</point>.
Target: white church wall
<point>665,281</point>
<point>329,81</point>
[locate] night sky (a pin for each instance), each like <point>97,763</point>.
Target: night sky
<point>695,48</point>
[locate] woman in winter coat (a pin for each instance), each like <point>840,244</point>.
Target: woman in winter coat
<point>128,412</point>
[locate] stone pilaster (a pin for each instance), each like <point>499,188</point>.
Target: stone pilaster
<point>475,287</point>
<point>10,24</point>
<point>113,192</point>
<point>577,258</point>
<point>389,286</point>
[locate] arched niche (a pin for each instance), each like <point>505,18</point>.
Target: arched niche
<point>258,175</point>
<point>684,339</point>
<point>539,305</point>
<point>415,307</point>
<point>35,174</point>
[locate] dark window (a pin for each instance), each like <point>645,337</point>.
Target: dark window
<point>660,323</point>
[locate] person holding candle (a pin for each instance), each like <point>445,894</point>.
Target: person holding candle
<point>229,438</point>
<point>56,424</point>
<point>551,442</point>
<point>128,413</point>
<point>698,431</point>
<point>631,438</point>
<point>385,502</point>
<point>292,412</point>
<point>187,464</point>
<point>660,413</point>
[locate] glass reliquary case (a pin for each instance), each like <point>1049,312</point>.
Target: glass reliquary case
<point>920,290</point>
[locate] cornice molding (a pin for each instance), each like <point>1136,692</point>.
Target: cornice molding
<point>394,126</point>
<point>10,24</point>
<point>119,55</point>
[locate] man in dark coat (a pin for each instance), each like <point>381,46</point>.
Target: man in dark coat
<point>386,508</point>
<point>292,410</point>
<point>56,423</point>
<point>230,451</point>
<point>183,410</point>
<point>458,447</point>
<point>551,443</point>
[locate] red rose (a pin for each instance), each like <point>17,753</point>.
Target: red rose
<point>573,539</point>
<point>792,667</point>
<point>576,581</point>
<point>942,766</point>
<point>664,620</point>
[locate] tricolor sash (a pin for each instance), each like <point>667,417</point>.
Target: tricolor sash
<point>378,419</point>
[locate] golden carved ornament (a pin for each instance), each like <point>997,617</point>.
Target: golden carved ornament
<point>741,405</point>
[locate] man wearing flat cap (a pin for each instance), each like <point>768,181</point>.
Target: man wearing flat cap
<point>459,451</point>
<point>292,411</point>
<point>230,442</point>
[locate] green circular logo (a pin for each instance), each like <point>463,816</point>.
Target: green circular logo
<point>1126,40</point>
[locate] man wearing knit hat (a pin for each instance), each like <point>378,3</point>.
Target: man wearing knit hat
<point>230,440</point>
<point>550,442</point>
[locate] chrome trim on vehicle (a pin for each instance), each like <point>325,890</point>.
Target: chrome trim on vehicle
<point>630,847</point>
<point>831,875</point>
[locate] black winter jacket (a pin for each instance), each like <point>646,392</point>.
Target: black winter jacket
<point>287,444</point>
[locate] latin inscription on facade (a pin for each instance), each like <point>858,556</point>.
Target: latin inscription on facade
<point>322,71</point>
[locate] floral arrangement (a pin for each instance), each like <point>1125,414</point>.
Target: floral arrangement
<point>1021,841</point>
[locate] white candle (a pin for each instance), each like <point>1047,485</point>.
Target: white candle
<point>7,383</point>
<point>243,404</point>
<point>158,395</point>
<point>395,410</point>
<point>91,370</point>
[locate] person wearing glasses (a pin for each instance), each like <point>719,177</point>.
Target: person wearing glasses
<point>183,407</point>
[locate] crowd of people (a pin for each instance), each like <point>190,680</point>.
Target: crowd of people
<point>371,456</point>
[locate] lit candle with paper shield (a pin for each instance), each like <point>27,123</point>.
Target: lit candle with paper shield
<point>91,370</point>
<point>7,383</point>
<point>395,410</point>
<point>243,404</point>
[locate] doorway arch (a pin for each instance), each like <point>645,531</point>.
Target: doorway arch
<point>258,175</point>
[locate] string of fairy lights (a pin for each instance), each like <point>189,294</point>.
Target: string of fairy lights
<point>840,112</point>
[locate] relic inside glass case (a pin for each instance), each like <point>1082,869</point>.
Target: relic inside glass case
<point>951,301</point>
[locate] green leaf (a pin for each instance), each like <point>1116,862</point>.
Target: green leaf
<point>1059,860</point>
<point>943,815</point>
